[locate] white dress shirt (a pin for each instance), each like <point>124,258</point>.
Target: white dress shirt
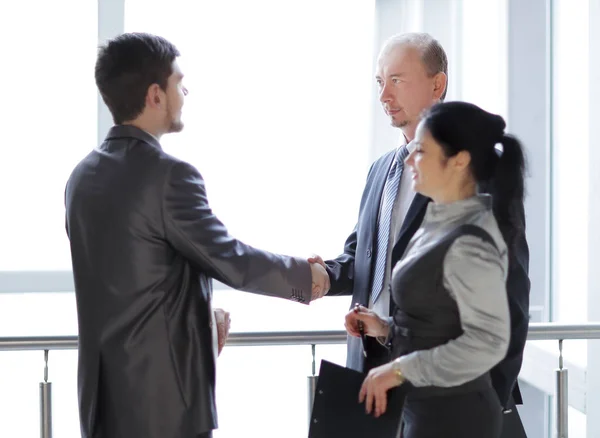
<point>402,203</point>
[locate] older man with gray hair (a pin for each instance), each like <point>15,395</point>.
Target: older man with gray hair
<point>412,75</point>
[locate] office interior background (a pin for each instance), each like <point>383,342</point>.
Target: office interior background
<point>283,121</point>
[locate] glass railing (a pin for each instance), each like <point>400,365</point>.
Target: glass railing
<point>298,351</point>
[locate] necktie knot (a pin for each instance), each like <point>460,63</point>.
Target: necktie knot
<point>402,154</point>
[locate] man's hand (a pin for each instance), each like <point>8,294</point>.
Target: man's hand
<point>320,278</point>
<point>316,259</point>
<point>223,324</point>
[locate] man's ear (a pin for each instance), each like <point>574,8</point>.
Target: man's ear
<point>440,82</point>
<point>154,96</point>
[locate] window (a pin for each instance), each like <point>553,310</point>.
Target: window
<point>483,61</point>
<point>277,115</point>
<point>50,124</point>
<point>570,121</point>
<point>570,177</point>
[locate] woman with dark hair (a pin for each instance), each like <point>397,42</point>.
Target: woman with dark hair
<point>451,321</point>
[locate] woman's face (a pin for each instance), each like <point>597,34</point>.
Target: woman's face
<point>434,175</point>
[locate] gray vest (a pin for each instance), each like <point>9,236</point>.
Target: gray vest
<point>428,316</point>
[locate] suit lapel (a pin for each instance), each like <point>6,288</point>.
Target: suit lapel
<point>375,199</point>
<point>412,222</point>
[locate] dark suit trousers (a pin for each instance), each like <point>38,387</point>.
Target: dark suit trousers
<point>472,415</point>
<point>512,427</point>
<point>205,435</point>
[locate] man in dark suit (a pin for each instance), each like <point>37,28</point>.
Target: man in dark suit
<point>145,246</point>
<point>412,74</point>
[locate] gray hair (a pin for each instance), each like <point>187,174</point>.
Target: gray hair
<point>433,54</point>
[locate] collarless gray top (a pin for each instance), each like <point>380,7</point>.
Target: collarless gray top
<point>475,276</point>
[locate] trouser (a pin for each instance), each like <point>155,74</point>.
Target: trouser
<point>512,427</point>
<point>474,414</point>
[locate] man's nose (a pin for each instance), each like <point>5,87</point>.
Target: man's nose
<point>384,94</point>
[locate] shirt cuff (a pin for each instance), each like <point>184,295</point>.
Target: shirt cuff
<point>386,341</point>
<point>410,368</point>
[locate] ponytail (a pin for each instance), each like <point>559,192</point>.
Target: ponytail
<point>458,126</point>
<point>508,189</point>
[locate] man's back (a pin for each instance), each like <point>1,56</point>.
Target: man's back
<point>144,310</point>
<point>145,245</point>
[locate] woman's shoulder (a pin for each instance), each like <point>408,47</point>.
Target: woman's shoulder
<point>479,238</point>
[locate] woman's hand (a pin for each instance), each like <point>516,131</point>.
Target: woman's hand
<point>373,324</point>
<point>375,387</point>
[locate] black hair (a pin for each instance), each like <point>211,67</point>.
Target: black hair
<point>127,66</point>
<point>497,158</point>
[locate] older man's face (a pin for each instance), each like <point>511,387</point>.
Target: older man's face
<point>405,88</point>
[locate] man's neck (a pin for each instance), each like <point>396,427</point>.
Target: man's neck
<point>403,140</point>
<point>409,133</point>
<point>147,127</point>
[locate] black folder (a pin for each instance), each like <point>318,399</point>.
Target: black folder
<point>337,413</point>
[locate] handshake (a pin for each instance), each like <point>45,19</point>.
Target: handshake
<point>320,277</point>
<point>320,287</point>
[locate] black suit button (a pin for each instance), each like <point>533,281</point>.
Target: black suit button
<point>369,253</point>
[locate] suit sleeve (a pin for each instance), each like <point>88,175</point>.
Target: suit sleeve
<point>66,217</point>
<point>194,231</point>
<point>504,375</point>
<point>341,269</point>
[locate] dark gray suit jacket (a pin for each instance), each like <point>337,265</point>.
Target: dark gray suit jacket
<point>145,246</point>
<point>351,274</point>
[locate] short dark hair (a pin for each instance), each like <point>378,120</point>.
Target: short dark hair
<point>459,126</point>
<point>127,66</point>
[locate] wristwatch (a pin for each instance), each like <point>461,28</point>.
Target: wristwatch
<point>398,371</point>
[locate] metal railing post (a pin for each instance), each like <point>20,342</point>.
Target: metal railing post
<point>46,403</point>
<point>562,397</point>
<point>312,385</point>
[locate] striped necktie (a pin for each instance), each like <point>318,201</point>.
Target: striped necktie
<point>390,193</point>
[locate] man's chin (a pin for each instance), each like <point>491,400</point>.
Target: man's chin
<point>176,127</point>
<point>399,123</point>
